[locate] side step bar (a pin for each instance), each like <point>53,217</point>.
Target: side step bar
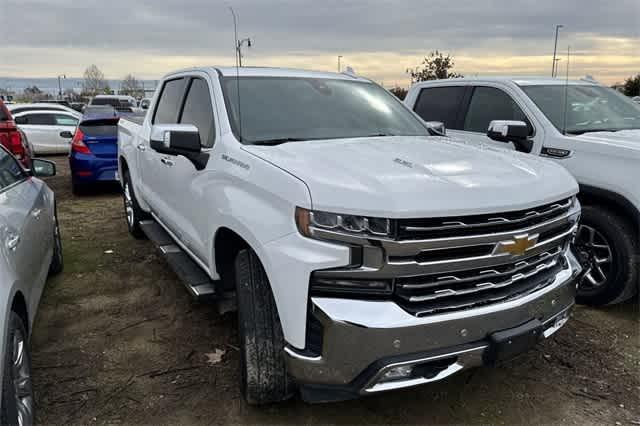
<point>198,283</point>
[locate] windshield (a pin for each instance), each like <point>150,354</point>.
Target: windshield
<point>293,109</point>
<point>589,108</point>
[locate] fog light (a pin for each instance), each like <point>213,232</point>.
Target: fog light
<point>396,373</point>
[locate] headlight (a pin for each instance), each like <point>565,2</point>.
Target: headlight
<point>308,220</point>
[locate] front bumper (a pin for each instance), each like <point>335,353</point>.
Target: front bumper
<point>364,339</point>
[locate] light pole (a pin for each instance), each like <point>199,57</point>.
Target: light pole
<point>339,57</point>
<point>239,48</point>
<point>60,85</point>
<point>555,48</point>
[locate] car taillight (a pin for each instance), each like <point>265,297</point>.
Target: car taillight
<point>12,140</point>
<point>77,145</point>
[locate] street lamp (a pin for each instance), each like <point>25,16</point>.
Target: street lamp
<point>239,48</point>
<point>339,57</point>
<point>555,48</point>
<point>60,85</point>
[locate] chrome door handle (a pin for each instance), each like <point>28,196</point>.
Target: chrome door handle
<point>141,147</point>
<point>167,162</point>
<point>13,241</point>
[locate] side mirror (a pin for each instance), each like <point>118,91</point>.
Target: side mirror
<point>436,128</point>
<point>43,168</point>
<point>516,132</point>
<point>179,139</point>
<point>66,134</point>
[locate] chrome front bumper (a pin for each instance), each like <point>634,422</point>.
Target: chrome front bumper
<point>362,340</point>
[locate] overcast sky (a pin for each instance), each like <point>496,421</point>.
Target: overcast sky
<point>379,39</point>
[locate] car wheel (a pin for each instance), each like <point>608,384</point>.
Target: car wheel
<point>605,246</point>
<point>78,189</point>
<point>18,406</point>
<point>133,213</point>
<point>264,374</point>
<point>57,262</point>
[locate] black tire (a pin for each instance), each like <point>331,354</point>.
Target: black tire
<point>78,189</point>
<point>57,261</point>
<point>136,214</point>
<point>10,405</point>
<point>621,281</point>
<point>264,373</point>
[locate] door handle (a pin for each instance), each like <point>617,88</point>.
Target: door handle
<point>141,147</point>
<point>167,162</point>
<point>13,241</point>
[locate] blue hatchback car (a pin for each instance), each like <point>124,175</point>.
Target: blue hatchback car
<point>94,149</point>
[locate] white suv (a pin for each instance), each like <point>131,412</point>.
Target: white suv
<point>590,129</point>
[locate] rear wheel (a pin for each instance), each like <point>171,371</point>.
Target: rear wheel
<point>17,389</point>
<point>133,213</point>
<point>606,248</point>
<point>264,374</point>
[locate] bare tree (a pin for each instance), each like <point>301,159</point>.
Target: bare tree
<point>94,82</point>
<point>131,86</point>
<point>400,92</point>
<point>434,67</point>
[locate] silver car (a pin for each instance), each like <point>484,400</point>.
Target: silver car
<point>30,250</point>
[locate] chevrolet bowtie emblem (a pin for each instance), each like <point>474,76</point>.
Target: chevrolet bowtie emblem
<point>518,246</point>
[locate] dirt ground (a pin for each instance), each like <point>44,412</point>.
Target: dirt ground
<point>118,340</point>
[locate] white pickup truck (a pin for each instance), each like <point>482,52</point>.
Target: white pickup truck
<point>364,254</point>
<point>591,130</point>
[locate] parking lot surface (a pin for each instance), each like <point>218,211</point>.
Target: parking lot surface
<point>118,340</point>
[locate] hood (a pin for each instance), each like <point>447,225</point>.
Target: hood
<point>626,140</point>
<point>406,176</point>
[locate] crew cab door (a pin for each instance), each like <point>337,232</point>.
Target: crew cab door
<point>468,110</point>
<point>183,191</point>
<point>25,232</point>
<point>153,166</point>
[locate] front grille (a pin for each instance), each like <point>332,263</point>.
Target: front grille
<point>439,265</point>
<point>437,293</point>
<point>416,229</point>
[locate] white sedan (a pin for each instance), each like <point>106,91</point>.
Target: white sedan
<point>41,106</point>
<point>48,131</point>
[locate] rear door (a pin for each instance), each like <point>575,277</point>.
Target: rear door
<point>25,231</point>
<point>65,127</point>
<point>40,128</point>
<point>154,167</point>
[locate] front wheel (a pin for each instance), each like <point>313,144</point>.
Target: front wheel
<point>264,374</point>
<point>606,249</point>
<point>18,406</point>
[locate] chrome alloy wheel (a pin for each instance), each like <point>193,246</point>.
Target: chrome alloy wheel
<point>594,253</point>
<point>128,205</point>
<point>21,377</point>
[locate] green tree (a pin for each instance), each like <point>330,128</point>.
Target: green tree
<point>632,86</point>
<point>436,66</point>
<point>400,92</point>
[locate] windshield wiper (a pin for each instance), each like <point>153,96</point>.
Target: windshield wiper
<point>580,132</point>
<point>276,141</point>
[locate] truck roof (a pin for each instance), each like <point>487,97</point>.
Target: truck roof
<point>275,72</point>
<point>519,80</point>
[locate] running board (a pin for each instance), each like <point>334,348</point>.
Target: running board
<point>197,282</point>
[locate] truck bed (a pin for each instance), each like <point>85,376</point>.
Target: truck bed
<point>136,117</point>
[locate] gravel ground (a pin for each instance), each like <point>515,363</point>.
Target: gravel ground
<point>118,340</point>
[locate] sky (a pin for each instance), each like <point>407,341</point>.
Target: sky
<point>378,38</point>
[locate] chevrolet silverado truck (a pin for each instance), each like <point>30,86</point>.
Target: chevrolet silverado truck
<point>363,253</point>
<point>591,130</point>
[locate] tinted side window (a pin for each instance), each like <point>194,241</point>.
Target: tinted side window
<point>37,119</point>
<point>169,103</point>
<point>440,104</point>
<point>10,170</point>
<point>489,103</point>
<point>199,112</point>
<point>65,120</point>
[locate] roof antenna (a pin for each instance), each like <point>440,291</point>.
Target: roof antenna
<point>566,85</point>
<point>237,50</point>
